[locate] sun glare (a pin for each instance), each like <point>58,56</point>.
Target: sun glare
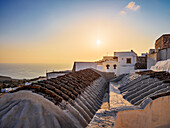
<point>98,42</point>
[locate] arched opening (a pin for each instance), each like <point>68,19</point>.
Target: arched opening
<point>114,66</point>
<point>107,66</point>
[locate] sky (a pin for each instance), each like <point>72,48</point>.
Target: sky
<point>64,31</point>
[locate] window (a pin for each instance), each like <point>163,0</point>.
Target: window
<point>114,66</point>
<point>107,66</point>
<point>128,60</point>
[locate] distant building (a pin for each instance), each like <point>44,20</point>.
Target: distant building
<point>110,64</point>
<point>162,47</point>
<point>144,54</point>
<point>109,58</point>
<point>162,42</point>
<point>151,59</point>
<point>127,61</point>
<point>8,89</point>
<point>55,74</point>
<point>151,51</point>
<point>161,51</point>
<point>121,62</point>
<point>141,62</point>
<point>101,64</point>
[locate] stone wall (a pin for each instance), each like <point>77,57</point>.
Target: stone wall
<point>163,54</point>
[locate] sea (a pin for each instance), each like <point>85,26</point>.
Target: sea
<point>29,71</point>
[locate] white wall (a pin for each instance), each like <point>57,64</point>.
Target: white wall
<point>122,57</point>
<point>126,69</point>
<point>84,65</point>
<point>123,60</point>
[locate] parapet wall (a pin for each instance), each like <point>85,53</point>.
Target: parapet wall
<point>155,115</point>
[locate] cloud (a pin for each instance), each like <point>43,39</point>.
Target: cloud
<point>122,12</point>
<point>133,6</point>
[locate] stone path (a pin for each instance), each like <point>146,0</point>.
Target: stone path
<point>106,116</point>
<point>103,119</point>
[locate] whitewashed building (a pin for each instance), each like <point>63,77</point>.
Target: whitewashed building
<point>127,61</point>
<point>120,63</point>
<point>111,66</point>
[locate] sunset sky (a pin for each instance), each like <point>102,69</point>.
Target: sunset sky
<point>63,31</point>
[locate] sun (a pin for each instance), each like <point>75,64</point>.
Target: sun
<point>98,42</point>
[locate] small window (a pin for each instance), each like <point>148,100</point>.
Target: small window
<point>107,66</point>
<point>128,60</point>
<point>114,66</point>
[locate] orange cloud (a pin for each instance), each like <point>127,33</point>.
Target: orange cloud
<point>133,6</point>
<point>122,12</point>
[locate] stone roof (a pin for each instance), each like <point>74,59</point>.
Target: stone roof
<point>70,100</point>
<point>148,84</point>
<point>65,87</point>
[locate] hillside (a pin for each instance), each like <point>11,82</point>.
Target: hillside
<point>4,78</point>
